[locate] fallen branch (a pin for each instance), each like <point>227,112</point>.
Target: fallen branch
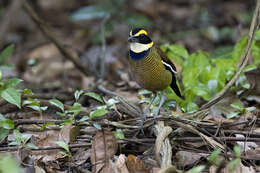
<point>46,147</point>
<point>243,60</point>
<point>64,51</point>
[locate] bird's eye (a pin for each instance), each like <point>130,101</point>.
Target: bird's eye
<point>142,36</point>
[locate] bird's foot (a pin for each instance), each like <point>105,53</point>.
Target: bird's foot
<point>144,116</point>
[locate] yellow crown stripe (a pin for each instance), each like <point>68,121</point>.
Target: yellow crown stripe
<point>141,32</point>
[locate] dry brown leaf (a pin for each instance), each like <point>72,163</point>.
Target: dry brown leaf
<point>104,147</point>
<point>135,165</point>
<point>185,158</point>
<point>253,79</point>
<point>81,156</point>
<point>240,168</point>
<point>69,133</point>
<point>121,164</point>
<point>169,169</point>
<point>49,138</point>
<point>253,153</point>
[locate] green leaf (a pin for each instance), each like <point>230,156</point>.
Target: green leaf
<point>237,105</point>
<point>98,113</point>
<point>12,96</point>
<point>3,134</point>
<point>250,109</point>
<point>31,145</point>
<point>26,137</point>
<point>144,92</point>
<point>64,154</point>
<point>46,125</point>
<point>17,137</point>
<point>31,102</point>
<point>36,108</point>
<point>9,165</point>
<point>98,126</point>
<point>63,145</point>
<point>77,94</point>
<point>27,91</point>
<point>237,151</point>
<point>2,117</point>
<point>67,122</point>
<point>213,86</point>
<point>239,49</point>
<point>197,169</point>
<point>112,102</point>
<point>119,134</point>
<point>57,103</point>
<point>95,96</point>
<point>84,118</point>
<point>232,115</point>
<point>44,108</point>
<point>214,157</point>
<point>233,164</point>
<point>249,68</point>
<point>7,124</point>
<point>11,83</point>
<point>191,107</point>
<point>179,50</point>
<point>75,109</point>
<point>6,53</point>
<point>62,115</point>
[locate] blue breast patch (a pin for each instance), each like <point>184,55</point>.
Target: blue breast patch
<point>138,56</point>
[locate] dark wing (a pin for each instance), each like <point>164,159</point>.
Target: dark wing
<point>170,67</point>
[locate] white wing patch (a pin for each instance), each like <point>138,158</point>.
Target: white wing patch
<point>168,65</point>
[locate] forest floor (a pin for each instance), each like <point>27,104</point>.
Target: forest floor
<point>84,111</point>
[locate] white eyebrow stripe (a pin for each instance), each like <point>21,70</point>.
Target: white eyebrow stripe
<point>168,65</point>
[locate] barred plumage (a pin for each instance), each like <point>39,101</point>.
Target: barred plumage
<point>150,73</point>
<point>151,68</point>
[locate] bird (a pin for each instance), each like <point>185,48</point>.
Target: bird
<point>150,67</point>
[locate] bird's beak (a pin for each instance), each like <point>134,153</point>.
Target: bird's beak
<point>132,39</point>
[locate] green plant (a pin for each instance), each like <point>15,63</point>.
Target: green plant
<point>214,158</point>
<point>240,110</point>
<point>9,164</point>
<point>119,134</point>
<point>5,126</point>
<point>8,89</point>
<point>197,169</point>
<point>21,139</point>
<point>71,113</point>
<point>203,76</point>
<point>233,163</point>
<point>35,105</point>
<point>65,146</point>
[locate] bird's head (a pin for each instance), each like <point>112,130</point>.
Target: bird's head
<point>139,40</point>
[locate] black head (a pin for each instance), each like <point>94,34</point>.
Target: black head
<point>139,35</point>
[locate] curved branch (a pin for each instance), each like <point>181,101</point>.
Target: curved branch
<point>244,59</point>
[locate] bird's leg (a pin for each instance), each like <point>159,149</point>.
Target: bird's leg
<point>145,112</point>
<point>163,98</point>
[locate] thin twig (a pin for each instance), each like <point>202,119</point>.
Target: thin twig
<point>47,147</point>
<point>243,60</point>
<point>64,51</point>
